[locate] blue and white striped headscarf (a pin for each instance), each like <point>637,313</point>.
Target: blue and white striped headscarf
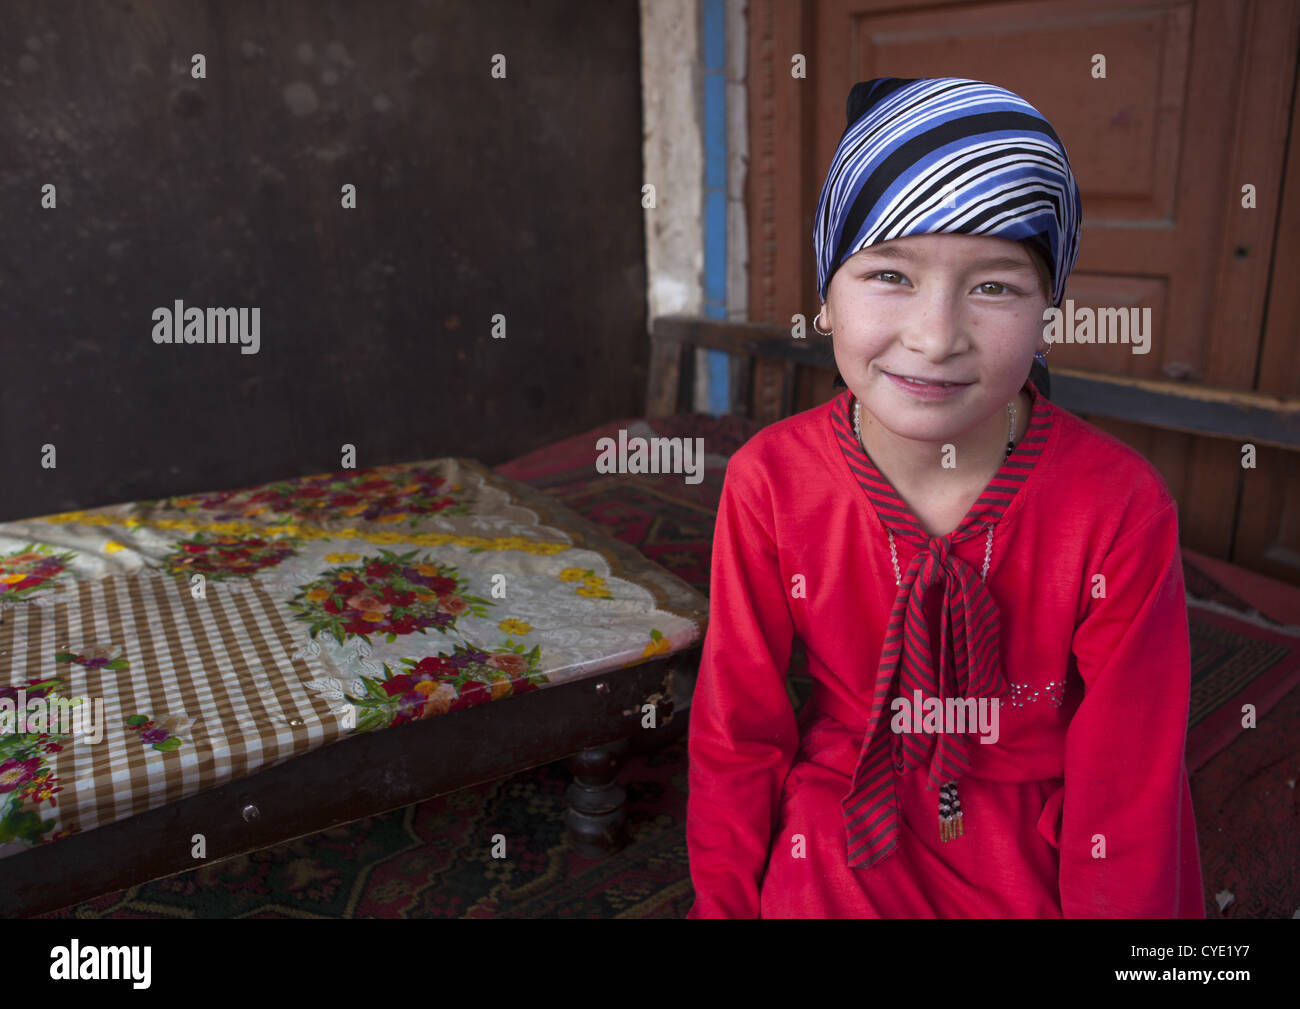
<point>946,156</point>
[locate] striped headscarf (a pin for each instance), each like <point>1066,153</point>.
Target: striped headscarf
<point>946,156</point>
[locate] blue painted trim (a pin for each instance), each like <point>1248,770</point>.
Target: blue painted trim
<point>715,249</point>
<point>713,37</point>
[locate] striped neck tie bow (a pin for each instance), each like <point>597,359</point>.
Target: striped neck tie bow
<point>942,638</point>
<point>938,588</point>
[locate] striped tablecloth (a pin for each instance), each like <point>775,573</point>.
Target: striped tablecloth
<point>152,650</point>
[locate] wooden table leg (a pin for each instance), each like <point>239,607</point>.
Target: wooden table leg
<point>597,817</point>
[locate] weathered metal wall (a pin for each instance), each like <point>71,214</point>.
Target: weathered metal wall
<point>476,196</point>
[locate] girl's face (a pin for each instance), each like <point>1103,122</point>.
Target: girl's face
<point>962,309</point>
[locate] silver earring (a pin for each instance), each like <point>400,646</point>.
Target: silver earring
<point>818,328</point>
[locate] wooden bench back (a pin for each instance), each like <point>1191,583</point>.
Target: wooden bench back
<point>769,368</point>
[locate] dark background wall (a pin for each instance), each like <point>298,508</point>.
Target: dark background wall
<point>475,196</point>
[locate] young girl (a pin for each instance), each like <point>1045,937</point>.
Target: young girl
<point>989,589</point>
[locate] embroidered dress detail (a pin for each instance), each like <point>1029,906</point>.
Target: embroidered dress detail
<point>1025,693</point>
<point>960,657</point>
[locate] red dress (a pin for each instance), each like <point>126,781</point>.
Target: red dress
<point>1080,808</point>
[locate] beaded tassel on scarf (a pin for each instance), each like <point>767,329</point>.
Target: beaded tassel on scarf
<point>951,820</point>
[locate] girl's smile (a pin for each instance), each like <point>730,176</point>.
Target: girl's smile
<point>927,390</point>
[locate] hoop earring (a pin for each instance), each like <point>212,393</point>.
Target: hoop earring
<point>1041,355</point>
<point>819,330</point>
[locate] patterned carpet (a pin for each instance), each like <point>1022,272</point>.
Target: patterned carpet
<point>433,859</point>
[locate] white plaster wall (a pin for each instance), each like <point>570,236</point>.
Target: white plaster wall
<point>673,152</point>
<point>673,146</point>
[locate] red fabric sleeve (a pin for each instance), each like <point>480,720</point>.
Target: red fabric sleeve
<point>743,733</point>
<point>1126,746</point>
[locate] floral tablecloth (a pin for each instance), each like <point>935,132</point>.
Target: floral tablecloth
<point>152,650</point>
